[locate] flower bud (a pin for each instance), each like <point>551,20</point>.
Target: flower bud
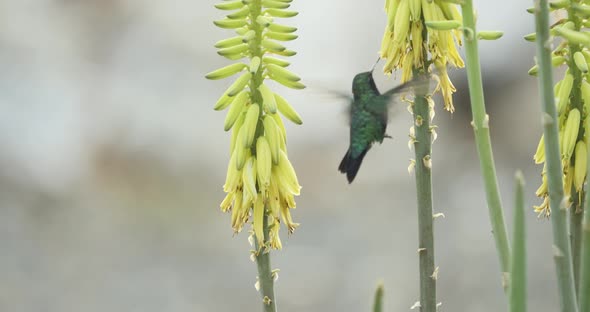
<point>275,4</point>
<point>281,36</point>
<point>540,154</point>
<point>287,110</point>
<point>443,25</point>
<point>573,36</point>
<point>272,46</point>
<point>264,162</point>
<point>273,136</point>
<point>258,220</point>
<point>563,95</point>
<point>570,134</point>
<point>254,64</point>
<point>489,35</point>
<point>276,61</point>
<point>281,13</point>
<point>585,91</point>
<point>229,42</point>
<point>281,28</point>
<point>241,13</point>
<point>226,71</point>
<point>268,99</point>
<point>230,5</point>
<point>580,62</point>
<point>249,126</point>
<point>230,23</point>
<point>237,105</point>
<point>249,177</point>
<point>415,9</point>
<point>531,37</point>
<point>239,84</point>
<point>581,165</point>
<point>278,72</point>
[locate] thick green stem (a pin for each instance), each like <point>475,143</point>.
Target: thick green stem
<point>423,148</point>
<point>265,275</point>
<point>561,245</point>
<point>518,275</point>
<point>378,301</point>
<point>585,249</point>
<point>576,217</point>
<point>585,265</point>
<point>576,102</point>
<point>483,142</point>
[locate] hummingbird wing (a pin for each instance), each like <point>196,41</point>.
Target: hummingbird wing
<point>386,101</point>
<point>417,82</point>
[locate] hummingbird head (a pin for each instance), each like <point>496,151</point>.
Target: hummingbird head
<point>364,82</point>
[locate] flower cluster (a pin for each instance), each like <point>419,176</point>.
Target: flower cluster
<point>403,41</point>
<point>572,100</point>
<point>261,182</point>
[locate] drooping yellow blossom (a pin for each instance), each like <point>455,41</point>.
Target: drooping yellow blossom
<point>572,95</point>
<point>403,41</point>
<point>261,182</point>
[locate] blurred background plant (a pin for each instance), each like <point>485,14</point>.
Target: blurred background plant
<point>111,169</point>
<point>563,148</point>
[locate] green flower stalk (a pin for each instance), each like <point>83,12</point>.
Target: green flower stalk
<point>554,153</point>
<point>420,34</point>
<point>518,289</point>
<point>261,182</point>
<point>481,131</point>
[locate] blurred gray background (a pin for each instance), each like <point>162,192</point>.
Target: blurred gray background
<point>112,162</point>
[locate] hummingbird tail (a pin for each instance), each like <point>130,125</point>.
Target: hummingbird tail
<point>350,165</point>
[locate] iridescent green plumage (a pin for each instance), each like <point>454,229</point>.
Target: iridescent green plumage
<point>368,120</point>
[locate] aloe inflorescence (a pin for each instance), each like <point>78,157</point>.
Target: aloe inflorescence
<point>404,39</point>
<point>572,94</point>
<point>261,182</point>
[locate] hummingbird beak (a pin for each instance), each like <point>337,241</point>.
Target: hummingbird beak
<point>378,59</point>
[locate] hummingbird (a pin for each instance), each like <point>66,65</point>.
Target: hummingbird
<point>368,119</point>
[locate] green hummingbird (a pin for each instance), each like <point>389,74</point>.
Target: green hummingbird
<point>368,119</point>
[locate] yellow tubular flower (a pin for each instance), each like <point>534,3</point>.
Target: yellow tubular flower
<point>581,165</point>
<point>402,45</point>
<point>260,182</point>
<point>540,154</point>
<point>446,86</point>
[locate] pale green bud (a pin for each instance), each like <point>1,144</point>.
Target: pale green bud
<point>287,110</point>
<point>230,5</point>
<point>443,25</point>
<point>581,165</point>
<point>281,28</point>
<point>570,134</point>
<point>281,13</point>
<point>580,62</point>
<point>249,126</point>
<point>226,71</point>
<point>275,4</point>
<point>489,35</point>
<point>268,99</point>
<point>230,23</point>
